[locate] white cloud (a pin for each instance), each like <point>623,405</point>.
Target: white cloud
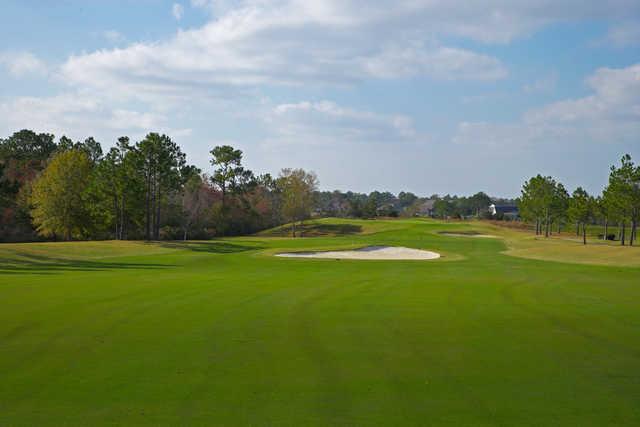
<point>113,36</point>
<point>213,77</point>
<point>296,44</point>
<point>79,115</point>
<point>574,140</point>
<point>624,34</point>
<point>442,63</point>
<point>542,85</point>
<point>216,7</point>
<point>337,42</point>
<point>616,98</point>
<point>20,64</point>
<point>486,21</point>
<point>326,123</point>
<point>177,10</point>
<point>202,3</point>
<point>610,114</point>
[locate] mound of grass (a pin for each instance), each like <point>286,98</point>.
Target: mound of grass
<point>314,229</point>
<point>332,227</point>
<point>224,333</point>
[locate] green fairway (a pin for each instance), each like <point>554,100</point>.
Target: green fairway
<point>223,333</point>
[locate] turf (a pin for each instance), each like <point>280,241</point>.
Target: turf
<point>223,333</point>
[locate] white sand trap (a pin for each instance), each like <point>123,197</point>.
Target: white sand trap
<point>370,252</point>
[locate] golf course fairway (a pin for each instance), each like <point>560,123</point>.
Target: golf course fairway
<point>504,331</point>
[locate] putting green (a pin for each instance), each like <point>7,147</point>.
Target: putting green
<point>224,333</point>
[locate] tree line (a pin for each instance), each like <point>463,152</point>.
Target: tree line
<point>350,204</point>
<point>548,205</point>
<point>144,190</point>
<point>405,204</point>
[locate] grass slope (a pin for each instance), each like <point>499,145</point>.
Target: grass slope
<point>223,333</point>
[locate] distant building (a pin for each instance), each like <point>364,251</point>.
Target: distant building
<point>426,208</point>
<point>504,211</point>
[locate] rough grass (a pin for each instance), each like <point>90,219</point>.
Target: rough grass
<point>223,333</point>
<point>566,247</point>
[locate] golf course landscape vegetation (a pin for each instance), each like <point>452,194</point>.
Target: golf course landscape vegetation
<point>512,329</point>
<point>229,213</point>
<point>146,292</point>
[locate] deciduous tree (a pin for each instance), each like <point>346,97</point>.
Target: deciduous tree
<point>58,197</point>
<point>297,187</point>
<point>23,156</point>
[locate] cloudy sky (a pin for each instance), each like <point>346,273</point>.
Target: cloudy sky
<point>430,96</point>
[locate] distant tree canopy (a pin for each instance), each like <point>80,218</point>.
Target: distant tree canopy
<point>544,202</point>
<point>73,190</point>
<point>381,204</point>
<point>147,190</point>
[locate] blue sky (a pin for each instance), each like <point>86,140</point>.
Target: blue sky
<point>427,96</point>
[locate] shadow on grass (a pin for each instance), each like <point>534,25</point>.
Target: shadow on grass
<point>317,230</point>
<point>27,263</point>
<point>213,247</point>
<point>461,233</point>
<point>37,264</point>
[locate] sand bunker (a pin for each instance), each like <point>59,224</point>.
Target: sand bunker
<point>370,252</point>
